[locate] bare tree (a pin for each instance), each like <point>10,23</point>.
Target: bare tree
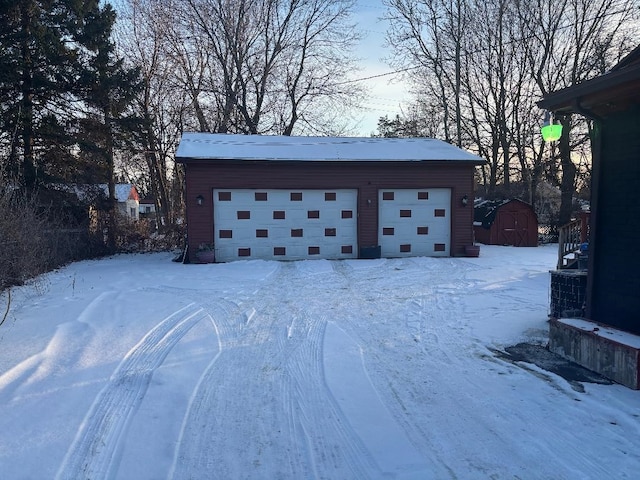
<point>566,43</point>
<point>271,63</point>
<point>486,63</point>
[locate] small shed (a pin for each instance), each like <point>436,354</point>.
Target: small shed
<point>292,198</point>
<point>505,222</point>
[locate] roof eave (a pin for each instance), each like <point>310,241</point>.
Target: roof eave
<point>595,91</point>
<point>472,161</point>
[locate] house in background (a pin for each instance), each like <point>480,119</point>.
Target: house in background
<point>128,199</point>
<point>505,222</point>
<point>289,198</point>
<point>606,338</point>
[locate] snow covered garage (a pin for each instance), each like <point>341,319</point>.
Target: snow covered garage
<point>291,198</point>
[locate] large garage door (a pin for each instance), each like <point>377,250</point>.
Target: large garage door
<point>414,222</point>
<point>285,224</point>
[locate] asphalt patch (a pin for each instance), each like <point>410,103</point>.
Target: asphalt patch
<point>543,358</point>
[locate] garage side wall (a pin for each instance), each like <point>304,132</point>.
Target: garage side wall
<point>203,176</point>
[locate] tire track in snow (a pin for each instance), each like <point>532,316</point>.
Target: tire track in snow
<point>275,350</point>
<point>95,451</point>
<point>224,392</point>
<point>325,436</point>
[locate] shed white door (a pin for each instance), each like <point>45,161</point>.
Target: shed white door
<point>284,224</point>
<point>414,222</point>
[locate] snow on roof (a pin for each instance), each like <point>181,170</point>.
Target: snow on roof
<point>264,147</point>
<point>123,191</point>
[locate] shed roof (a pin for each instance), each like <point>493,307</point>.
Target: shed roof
<point>203,146</point>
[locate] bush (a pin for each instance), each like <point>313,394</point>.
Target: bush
<point>24,248</point>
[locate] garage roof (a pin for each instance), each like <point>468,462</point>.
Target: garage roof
<point>195,146</point>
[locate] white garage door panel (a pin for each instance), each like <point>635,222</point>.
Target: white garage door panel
<point>414,222</point>
<point>285,224</point>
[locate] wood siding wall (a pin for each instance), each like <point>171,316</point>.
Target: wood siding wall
<point>515,224</point>
<point>203,176</point>
<point>614,287</point>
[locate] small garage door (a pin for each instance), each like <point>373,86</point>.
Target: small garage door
<point>285,224</point>
<point>414,222</point>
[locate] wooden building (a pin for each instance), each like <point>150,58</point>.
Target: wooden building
<point>289,198</point>
<point>612,102</point>
<point>508,222</point>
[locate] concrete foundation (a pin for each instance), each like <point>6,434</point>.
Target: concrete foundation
<point>611,353</point>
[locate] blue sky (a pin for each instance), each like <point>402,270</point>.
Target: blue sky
<point>387,94</point>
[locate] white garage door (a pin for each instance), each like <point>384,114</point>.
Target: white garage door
<point>284,224</point>
<point>414,222</point>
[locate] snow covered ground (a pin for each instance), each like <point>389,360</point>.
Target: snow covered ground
<point>135,367</point>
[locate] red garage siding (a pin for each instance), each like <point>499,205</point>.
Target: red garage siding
<point>202,176</point>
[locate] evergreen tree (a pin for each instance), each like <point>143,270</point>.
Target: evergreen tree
<point>109,90</point>
<point>50,54</point>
